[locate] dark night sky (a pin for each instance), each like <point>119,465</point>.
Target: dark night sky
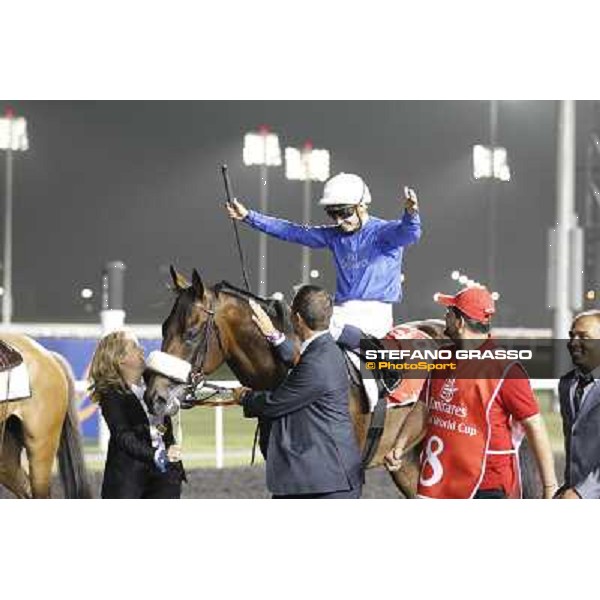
<point>140,182</point>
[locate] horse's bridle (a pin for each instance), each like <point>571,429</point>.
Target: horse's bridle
<point>201,339</point>
<point>197,377</point>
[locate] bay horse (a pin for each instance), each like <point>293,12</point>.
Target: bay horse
<point>45,426</point>
<point>211,326</point>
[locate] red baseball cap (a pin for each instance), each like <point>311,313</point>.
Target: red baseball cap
<point>476,302</point>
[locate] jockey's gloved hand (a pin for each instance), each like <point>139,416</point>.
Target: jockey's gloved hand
<point>160,459</point>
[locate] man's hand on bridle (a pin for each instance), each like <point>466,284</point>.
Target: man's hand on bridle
<point>238,393</point>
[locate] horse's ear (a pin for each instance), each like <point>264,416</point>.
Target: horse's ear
<point>179,281</point>
<point>197,285</point>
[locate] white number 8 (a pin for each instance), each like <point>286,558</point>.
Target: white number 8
<point>431,459</point>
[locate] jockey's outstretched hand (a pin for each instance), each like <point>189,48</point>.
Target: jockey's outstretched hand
<point>393,459</point>
<point>411,203</point>
<point>236,210</point>
<point>262,319</point>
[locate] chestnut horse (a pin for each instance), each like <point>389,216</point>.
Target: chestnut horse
<point>45,425</point>
<point>212,326</point>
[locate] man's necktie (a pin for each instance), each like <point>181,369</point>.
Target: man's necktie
<point>582,382</point>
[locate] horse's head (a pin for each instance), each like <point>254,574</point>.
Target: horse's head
<point>190,333</point>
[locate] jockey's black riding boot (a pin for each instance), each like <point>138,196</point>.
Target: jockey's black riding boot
<point>386,378</point>
<point>352,338</point>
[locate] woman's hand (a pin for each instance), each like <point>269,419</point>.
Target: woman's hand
<point>174,453</point>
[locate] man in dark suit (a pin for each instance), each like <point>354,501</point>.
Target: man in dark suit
<point>312,450</point>
<point>579,394</point>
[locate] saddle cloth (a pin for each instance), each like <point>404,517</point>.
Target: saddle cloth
<point>408,391</point>
<point>369,384</point>
<point>9,357</point>
<point>14,384</point>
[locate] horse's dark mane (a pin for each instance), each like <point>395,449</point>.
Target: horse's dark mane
<point>276,309</point>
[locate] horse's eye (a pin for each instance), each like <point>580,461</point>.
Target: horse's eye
<point>190,334</point>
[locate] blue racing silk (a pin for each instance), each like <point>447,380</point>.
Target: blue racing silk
<point>368,262</point>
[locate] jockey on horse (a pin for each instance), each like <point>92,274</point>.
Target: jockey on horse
<point>368,251</point>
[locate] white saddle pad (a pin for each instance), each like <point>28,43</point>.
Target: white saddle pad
<point>369,384</point>
<point>14,384</point>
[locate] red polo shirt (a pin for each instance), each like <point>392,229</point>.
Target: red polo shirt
<point>516,401</point>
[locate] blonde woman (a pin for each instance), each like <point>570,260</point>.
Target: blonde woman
<point>142,462</point>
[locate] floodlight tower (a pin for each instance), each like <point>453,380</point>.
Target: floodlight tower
<point>261,148</point>
<point>306,164</point>
<point>13,138</point>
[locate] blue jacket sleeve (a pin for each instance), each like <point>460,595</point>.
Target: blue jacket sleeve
<point>403,232</point>
<point>314,237</point>
<point>350,337</point>
<point>300,388</point>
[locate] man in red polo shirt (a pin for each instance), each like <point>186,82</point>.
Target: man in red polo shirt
<point>471,420</point>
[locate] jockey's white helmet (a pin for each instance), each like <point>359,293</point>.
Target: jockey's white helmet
<point>345,189</point>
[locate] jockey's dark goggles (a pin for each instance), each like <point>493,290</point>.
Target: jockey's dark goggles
<point>340,212</point>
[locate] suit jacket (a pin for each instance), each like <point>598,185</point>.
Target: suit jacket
<point>312,446</point>
<point>582,438</point>
<point>130,471</point>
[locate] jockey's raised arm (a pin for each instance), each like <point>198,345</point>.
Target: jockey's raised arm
<point>368,252</point>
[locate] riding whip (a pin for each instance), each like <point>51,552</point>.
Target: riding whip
<point>235,227</point>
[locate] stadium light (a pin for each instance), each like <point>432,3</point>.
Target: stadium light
<point>306,164</point>
<point>13,138</point>
<point>490,163</point>
<point>261,148</point>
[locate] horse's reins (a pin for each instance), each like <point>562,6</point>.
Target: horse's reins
<point>197,375</point>
<point>235,225</point>
<point>245,276</point>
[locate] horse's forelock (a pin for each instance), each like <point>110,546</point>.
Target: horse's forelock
<point>180,310</point>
